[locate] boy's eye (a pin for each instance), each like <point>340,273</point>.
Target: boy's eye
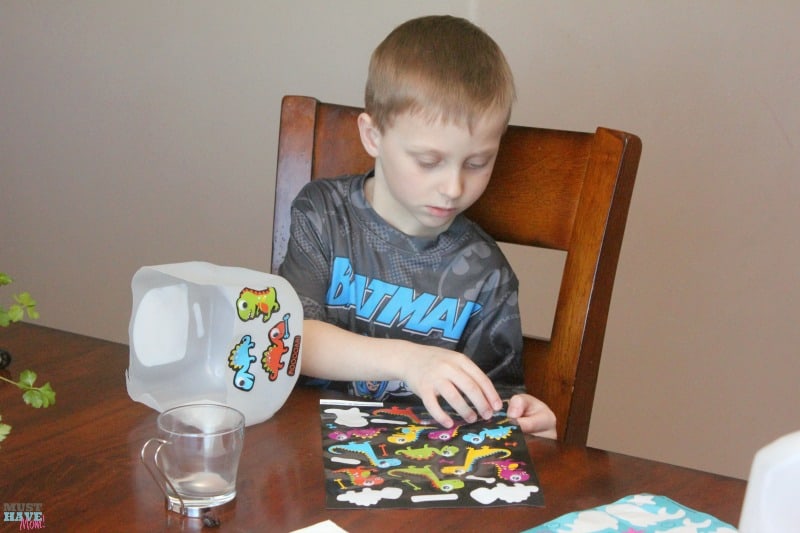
<point>476,165</point>
<point>427,163</point>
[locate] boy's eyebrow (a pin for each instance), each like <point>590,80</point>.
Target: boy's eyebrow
<point>489,152</point>
<point>418,150</point>
<point>425,152</point>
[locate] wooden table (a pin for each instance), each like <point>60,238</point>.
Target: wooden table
<point>80,460</point>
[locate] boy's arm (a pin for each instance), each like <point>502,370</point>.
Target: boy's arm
<point>330,352</point>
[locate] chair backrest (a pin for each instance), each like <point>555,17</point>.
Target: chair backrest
<point>561,190</point>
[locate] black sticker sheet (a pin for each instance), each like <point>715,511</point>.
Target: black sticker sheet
<point>390,455</point>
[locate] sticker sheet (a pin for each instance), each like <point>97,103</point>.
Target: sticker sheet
<point>392,455</point>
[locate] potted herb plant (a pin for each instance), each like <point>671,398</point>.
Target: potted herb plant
<point>37,397</point>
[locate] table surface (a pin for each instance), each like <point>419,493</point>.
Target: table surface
<point>80,460</point>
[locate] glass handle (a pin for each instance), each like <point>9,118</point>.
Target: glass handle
<point>143,454</point>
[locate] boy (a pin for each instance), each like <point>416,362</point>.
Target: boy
<point>401,293</point>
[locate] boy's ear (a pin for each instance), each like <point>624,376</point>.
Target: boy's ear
<point>370,135</point>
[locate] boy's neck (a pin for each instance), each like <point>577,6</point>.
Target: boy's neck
<point>369,189</point>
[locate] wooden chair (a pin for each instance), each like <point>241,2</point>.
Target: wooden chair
<point>561,190</point>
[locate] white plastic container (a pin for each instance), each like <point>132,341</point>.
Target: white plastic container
<point>204,333</point>
<point>771,500</point>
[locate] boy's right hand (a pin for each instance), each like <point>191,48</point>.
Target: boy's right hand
<point>429,371</point>
<point>433,372</point>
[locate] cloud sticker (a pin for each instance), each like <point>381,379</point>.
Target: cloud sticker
<point>353,417</point>
<point>369,497</point>
<point>508,493</point>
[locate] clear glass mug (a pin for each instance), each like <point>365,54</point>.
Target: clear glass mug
<point>195,458</point>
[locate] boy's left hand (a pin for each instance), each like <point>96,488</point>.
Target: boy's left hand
<point>532,415</point>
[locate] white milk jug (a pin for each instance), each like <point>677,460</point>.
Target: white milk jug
<point>770,502</point>
<point>204,333</point>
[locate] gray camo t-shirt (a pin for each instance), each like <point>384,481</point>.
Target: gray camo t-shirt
<point>352,269</point>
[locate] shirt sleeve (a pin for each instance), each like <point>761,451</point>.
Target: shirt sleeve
<point>308,257</point>
<point>495,341</point>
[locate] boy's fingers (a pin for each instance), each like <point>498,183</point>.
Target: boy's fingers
<point>462,391</point>
<point>454,397</point>
<point>532,415</point>
<point>481,392</point>
<point>463,385</point>
<point>515,407</point>
<point>436,411</point>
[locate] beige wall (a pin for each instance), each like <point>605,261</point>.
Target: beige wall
<point>144,132</point>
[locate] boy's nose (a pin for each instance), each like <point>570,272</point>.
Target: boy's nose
<point>452,184</point>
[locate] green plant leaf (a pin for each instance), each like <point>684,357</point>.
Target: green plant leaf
<point>43,396</point>
<point>16,313</point>
<point>25,299</point>
<point>36,398</point>
<point>48,394</point>
<point>24,303</point>
<point>26,379</point>
<point>5,429</point>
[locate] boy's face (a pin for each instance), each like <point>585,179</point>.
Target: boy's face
<point>427,172</point>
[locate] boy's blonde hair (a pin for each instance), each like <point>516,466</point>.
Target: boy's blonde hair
<point>442,66</point>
